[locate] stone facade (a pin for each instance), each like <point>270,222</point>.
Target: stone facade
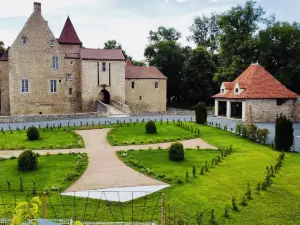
<point>78,73</point>
<point>4,88</point>
<point>263,110</point>
<point>144,96</point>
<point>113,78</point>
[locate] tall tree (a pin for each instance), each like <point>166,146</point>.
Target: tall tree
<point>164,34</point>
<point>2,49</point>
<point>279,49</point>
<point>205,32</point>
<point>197,76</point>
<point>168,57</point>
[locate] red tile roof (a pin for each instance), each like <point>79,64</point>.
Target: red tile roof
<point>4,57</point>
<point>129,63</point>
<point>257,83</point>
<point>68,34</point>
<point>102,54</point>
<point>143,72</point>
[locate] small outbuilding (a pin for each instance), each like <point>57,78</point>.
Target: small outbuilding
<point>256,96</point>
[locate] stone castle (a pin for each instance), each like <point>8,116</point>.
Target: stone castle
<point>40,74</point>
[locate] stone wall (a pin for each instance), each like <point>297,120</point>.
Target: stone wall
<point>124,108</point>
<point>50,117</point>
<point>266,110</point>
<point>144,97</point>
<point>33,61</point>
<point>297,111</point>
<point>4,88</point>
<point>89,80</point>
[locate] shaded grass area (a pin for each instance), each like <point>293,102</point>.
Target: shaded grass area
<point>135,133</point>
<point>50,139</point>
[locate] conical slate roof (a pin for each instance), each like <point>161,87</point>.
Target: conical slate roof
<point>257,83</point>
<point>68,34</point>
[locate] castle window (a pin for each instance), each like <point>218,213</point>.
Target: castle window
<point>24,40</point>
<point>132,84</point>
<point>53,88</point>
<point>236,90</point>
<point>103,66</point>
<point>52,42</point>
<point>55,62</point>
<point>140,97</point>
<point>70,91</point>
<point>156,84</point>
<point>71,62</point>
<point>69,77</point>
<point>281,101</point>
<point>24,84</point>
<point>222,91</point>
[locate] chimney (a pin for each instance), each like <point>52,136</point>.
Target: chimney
<point>37,6</point>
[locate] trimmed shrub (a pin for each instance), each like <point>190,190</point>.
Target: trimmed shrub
<point>27,161</point>
<point>33,134</point>
<point>284,137</point>
<point>176,152</point>
<point>201,113</point>
<point>150,127</point>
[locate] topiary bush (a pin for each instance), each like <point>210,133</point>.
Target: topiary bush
<point>176,152</point>
<point>27,161</point>
<point>33,134</point>
<point>284,133</point>
<point>150,127</point>
<point>201,113</point>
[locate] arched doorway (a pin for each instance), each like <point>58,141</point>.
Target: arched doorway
<point>106,96</point>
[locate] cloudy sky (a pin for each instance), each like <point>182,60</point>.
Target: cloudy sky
<point>127,21</point>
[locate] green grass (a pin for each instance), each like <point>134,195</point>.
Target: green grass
<point>55,139</point>
<point>214,190</point>
<point>55,173</point>
<point>136,134</point>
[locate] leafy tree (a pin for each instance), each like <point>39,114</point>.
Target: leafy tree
<point>284,133</point>
<point>164,34</point>
<point>138,63</point>
<point>197,76</point>
<point>27,211</point>
<point>2,49</point>
<point>168,56</point>
<point>205,32</point>
<point>279,49</point>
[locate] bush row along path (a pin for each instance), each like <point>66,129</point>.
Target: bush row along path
<point>105,170</point>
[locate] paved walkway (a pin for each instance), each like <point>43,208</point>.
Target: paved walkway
<point>105,170</point>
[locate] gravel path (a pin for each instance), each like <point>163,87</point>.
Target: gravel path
<point>105,170</point>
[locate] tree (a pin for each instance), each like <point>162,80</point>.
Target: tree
<point>279,46</point>
<point>164,34</point>
<point>2,49</point>
<point>112,44</point>
<point>284,133</point>
<point>27,211</point>
<point>168,56</point>
<point>197,77</point>
<point>138,63</point>
<point>205,32</point>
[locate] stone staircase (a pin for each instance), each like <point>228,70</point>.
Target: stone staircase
<point>110,110</point>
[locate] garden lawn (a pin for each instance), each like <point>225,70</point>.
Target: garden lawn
<point>55,139</point>
<point>215,189</point>
<point>136,134</point>
<point>55,173</point>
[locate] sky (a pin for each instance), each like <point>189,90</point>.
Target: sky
<point>127,21</point>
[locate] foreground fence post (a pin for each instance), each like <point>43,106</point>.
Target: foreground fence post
<point>163,210</point>
<point>44,202</point>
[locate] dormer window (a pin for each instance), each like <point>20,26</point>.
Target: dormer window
<point>24,40</point>
<point>52,43</point>
<point>236,90</point>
